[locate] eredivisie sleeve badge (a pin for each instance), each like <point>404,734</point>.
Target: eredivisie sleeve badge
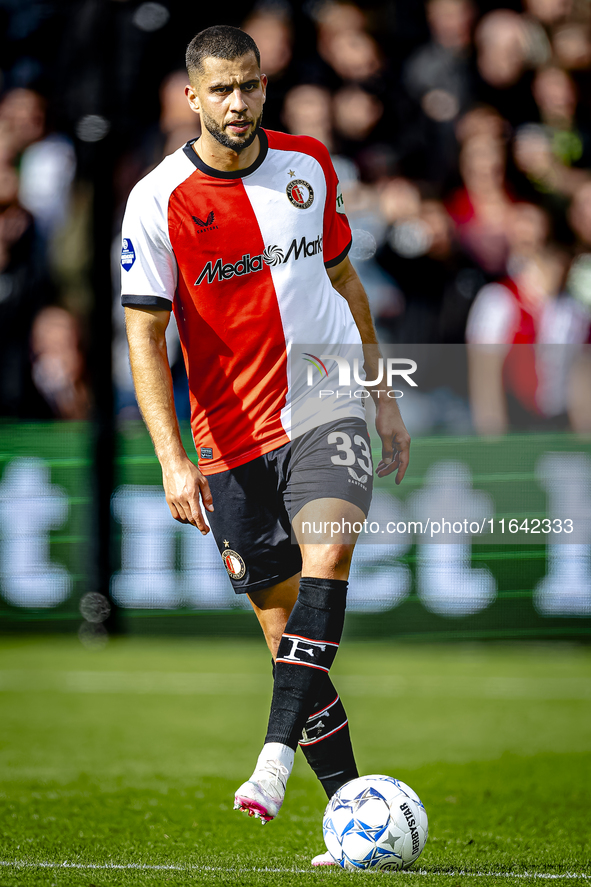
<point>300,193</point>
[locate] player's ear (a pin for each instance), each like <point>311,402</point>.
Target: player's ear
<point>192,98</point>
<point>264,81</point>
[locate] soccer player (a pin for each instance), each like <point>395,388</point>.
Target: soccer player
<point>242,233</point>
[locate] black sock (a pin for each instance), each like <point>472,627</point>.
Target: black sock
<point>306,652</point>
<point>326,742</point>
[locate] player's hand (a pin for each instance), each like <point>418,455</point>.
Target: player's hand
<point>395,440</point>
<point>183,485</point>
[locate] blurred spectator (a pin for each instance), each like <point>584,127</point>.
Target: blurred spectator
<point>438,82</point>
<point>24,288</point>
<point>22,116</point>
<point>47,172</point>
<point>549,12</point>
<point>58,364</point>
<point>572,46</point>
<point>579,279</point>
<point>503,43</point>
<point>481,120</point>
<point>178,123</point>
<point>272,33</point>
<point>334,17</point>
<point>479,209</point>
<point>556,97</point>
<point>353,55</point>
<point>47,162</point>
<point>552,155</point>
<point>307,110</point>
<point>534,156</point>
<point>349,52</point>
<point>423,258</point>
<point>513,384</point>
<point>437,75</point>
<point>356,115</point>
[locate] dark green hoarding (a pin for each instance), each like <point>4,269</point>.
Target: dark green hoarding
<point>486,538</point>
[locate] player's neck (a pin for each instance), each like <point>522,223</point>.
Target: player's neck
<point>219,157</point>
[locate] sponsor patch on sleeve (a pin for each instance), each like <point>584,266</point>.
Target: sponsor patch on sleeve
<point>127,254</point>
<point>340,201</point>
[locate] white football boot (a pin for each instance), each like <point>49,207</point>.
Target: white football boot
<point>262,795</point>
<point>323,859</point>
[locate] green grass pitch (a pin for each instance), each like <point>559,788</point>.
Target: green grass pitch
<point>118,766</point>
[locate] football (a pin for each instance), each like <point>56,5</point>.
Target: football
<point>375,822</point>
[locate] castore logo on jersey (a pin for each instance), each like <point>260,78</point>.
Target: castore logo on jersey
<point>272,255</point>
<point>206,225</point>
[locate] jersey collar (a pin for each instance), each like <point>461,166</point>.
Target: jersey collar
<point>218,173</point>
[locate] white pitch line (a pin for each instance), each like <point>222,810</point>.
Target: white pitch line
<point>543,876</point>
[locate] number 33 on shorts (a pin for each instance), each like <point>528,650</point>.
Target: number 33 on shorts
<point>351,452</point>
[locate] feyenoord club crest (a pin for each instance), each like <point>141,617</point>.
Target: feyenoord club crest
<point>300,194</point>
<point>234,564</point>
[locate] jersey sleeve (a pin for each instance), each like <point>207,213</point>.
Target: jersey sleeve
<point>336,237</point>
<point>148,266</point>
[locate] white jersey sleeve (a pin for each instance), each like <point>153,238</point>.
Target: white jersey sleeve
<point>149,271</point>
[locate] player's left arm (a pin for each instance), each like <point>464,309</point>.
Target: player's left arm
<point>389,425</point>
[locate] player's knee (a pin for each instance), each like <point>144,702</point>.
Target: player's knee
<point>273,641</point>
<point>328,561</point>
<point>273,634</point>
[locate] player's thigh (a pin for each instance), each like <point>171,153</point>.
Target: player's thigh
<point>327,530</point>
<point>251,526</point>
<point>329,494</point>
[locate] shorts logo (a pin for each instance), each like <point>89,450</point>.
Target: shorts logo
<point>355,476</point>
<point>127,254</point>
<point>300,194</point>
<point>234,564</point>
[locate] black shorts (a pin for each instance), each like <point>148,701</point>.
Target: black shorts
<point>255,502</point>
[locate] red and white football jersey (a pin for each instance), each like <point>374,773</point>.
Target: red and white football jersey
<point>241,258</point>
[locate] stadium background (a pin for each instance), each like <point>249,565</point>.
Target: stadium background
<point>462,137</point>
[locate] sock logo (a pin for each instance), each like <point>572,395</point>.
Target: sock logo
<point>295,648</point>
<point>306,735</point>
<point>304,651</point>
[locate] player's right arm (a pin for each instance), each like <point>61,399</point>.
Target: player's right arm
<point>182,480</point>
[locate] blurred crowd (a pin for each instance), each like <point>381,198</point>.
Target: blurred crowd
<point>460,131</point>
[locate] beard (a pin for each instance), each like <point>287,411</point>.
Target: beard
<point>234,144</point>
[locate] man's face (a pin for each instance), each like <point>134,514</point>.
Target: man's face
<point>229,95</point>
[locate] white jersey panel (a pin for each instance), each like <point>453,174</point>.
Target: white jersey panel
<point>312,312</point>
<point>148,264</point>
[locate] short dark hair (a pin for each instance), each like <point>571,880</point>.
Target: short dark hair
<point>219,42</point>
